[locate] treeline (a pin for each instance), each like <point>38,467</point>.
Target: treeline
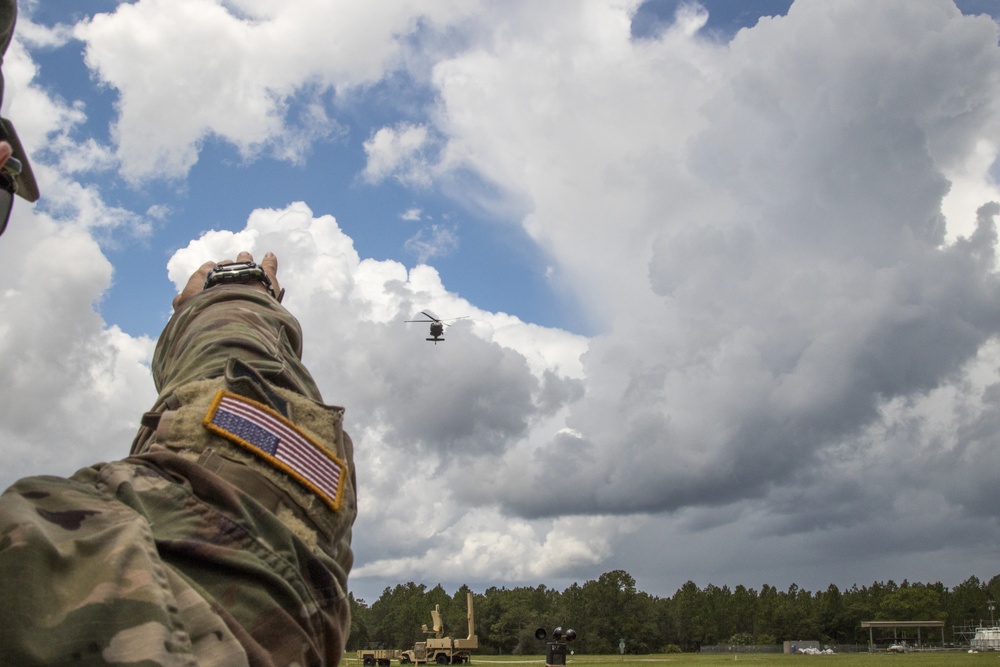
<point>610,609</point>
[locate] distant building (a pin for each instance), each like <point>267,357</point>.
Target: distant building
<point>902,633</point>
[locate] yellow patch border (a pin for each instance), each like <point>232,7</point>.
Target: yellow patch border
<point>333,503</point>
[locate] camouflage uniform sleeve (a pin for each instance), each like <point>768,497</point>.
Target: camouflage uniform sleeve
<point>192,551</point>
<point>227,321</point>
<point>221,323</point>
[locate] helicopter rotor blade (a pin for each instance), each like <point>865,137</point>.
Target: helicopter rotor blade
<point>430,318</point>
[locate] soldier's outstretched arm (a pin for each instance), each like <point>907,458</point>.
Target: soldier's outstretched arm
<point>225,539</point>
<point>243,319</point>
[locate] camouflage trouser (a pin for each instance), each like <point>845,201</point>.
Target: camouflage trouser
<point>198,549</point>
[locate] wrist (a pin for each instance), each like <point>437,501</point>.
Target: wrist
<point>240,273</point>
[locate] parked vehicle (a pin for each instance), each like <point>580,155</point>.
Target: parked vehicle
<point>439,649</point>
<point>377,656</point>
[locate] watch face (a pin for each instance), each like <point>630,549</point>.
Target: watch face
<point>239,273</point>
<point>238,267</point>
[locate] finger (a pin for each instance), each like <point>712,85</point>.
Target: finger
<point>195,284</point>
<point>270,266</point>
<point>5,152</point>
<point>244,256</point>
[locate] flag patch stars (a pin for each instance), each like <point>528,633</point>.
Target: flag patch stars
<point>267,434</point>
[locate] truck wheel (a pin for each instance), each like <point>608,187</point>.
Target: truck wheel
<point>369,661</point>
<point>405,660</point>
<point>442,659</point>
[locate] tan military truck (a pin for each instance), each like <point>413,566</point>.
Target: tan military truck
<point>370,657</point>
<point>443,650</point>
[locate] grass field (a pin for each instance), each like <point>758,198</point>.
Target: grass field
<point>915,659</point>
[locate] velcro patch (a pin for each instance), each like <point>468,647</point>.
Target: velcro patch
<point>267,434</point>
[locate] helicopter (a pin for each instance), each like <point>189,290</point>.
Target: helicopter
<point>437,326</point>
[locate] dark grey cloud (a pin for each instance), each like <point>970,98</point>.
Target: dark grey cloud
<point>464,398</point>
<point>778,330</point>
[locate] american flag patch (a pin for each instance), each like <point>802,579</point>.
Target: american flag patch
<point>267,434</point>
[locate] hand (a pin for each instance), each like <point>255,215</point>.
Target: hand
<point>5,152</point>
<point>196,283</point>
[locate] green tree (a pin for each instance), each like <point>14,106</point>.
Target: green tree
<point>860,607</point>
<point>743,611</point>
<point>786,615</point>
<point>616,611</point>
<point>717,623</point>
<point>993,591</point>
<point>360,617</point>
<point>689,616</point>
<point>913,602</point>
<point>804,611</point>
<point>611,607</point>
<point>397,615</point>
<point>513,615</point>
<point>666,625</point>
<point>967,603</point>
<point>766,621</point>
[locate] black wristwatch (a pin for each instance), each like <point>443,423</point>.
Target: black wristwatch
<point>240,273</point>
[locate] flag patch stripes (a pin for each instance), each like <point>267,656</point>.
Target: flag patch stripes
<point>267,434</point>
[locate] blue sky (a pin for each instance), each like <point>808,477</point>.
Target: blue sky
<point>728,268</point>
